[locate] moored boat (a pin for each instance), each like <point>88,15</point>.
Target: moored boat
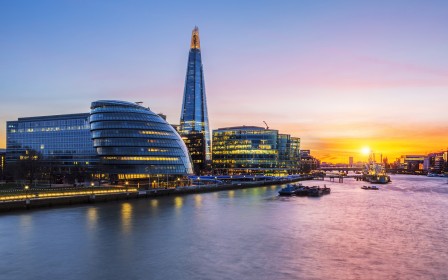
<point>302,191</point>
<point>315,191</point>
<point>369,188</point>
<point>288,190</point>
<point>326,190</point>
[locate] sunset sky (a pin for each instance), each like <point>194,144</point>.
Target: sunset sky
<point>342,75</point>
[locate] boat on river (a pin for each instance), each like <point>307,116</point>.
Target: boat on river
<point>315,191</point>
<point>300,190</point>
<point>326,190</point>
<point>375,173</point>
<point>288,190</point>
<point>369,188</point>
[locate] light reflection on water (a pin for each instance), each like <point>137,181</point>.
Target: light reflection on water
<point>178,202</point>
<point>92,217</point>
<point>198,201</point>
<point>398,232</point>
<point>126,217</point>
<point>154,203</point>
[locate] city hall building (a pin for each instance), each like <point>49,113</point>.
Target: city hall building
<point>254,150</point>
<point>132,142</point>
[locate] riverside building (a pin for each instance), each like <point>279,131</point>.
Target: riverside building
<point>118,140</point>
<point>194,125</point>
<point>254,150</point>
<point>133,143</point>
<point>60,146</point>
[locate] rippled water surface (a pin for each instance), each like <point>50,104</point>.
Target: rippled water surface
<point>398,232</point>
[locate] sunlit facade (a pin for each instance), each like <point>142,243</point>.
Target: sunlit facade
<point>62,143</point>
<point>254,150</point>
<point>135,143</point>
<point>194,115</point>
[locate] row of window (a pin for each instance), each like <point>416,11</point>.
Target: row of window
<point>124,117</point>
<point>132,134</point>
<point>140,151</point>
<point>244,152</point>
<point>49,129</point>
<point>136,142</point>
<point>148,158</point>
<point>128,124</point>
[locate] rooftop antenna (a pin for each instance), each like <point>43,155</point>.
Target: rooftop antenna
<point>267,127</point>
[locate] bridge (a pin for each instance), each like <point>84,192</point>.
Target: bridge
<point>340,168</point>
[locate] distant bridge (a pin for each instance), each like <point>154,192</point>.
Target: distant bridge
<point>340,169</point>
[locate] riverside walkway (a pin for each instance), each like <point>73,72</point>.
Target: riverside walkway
<point>37,198</point>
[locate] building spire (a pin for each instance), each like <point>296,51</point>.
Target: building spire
<point>195,43</point>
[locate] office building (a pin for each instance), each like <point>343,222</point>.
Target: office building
<point>308,162</point>
<point>194,125</point>
<point>54,148</point>
<point>254,150</point>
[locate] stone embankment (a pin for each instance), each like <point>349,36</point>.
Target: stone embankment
<point>39,202</point>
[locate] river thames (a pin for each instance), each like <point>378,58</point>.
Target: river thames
<point>398,232</point>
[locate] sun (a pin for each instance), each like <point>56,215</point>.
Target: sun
<point>365,150</point>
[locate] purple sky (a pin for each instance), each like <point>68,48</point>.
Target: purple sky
<point>339,74</point>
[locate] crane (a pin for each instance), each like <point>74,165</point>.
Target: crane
<point>267,127</point>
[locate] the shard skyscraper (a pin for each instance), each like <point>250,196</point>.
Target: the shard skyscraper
<point>194,127</point>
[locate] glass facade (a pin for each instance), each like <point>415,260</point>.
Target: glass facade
<point>289,153</point>
<point>254,150</point>
<point>133,142</point>
<point>195,142</point>
<point>194,116</point>
<point>61,141</point>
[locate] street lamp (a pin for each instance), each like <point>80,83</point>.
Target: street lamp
<point>26,191</point>
<point>92,184</point>
<point>126,184</point>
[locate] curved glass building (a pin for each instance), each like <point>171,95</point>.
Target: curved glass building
<point>133,142</point>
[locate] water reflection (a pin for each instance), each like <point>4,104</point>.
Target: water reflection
<point>26,223</point>
<point>198,200</point>
<point>92,217</point>
<point>397,232</point>
<point>178,202</point>
<point>126,217</point>
<point>154,203</point>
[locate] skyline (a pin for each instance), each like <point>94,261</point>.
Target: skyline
<point>339,76</point>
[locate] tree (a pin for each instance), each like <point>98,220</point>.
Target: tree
<point>29,165</point>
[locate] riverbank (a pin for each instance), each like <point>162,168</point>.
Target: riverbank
<point>95,196</point>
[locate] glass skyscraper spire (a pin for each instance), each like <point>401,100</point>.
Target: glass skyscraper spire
<point>194,125</point>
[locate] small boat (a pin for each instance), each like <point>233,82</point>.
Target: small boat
<point>302,191</point>
<point>315,191</point>
<point>326,190</point>
<point>288,190</point>
<point>369,188</point>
